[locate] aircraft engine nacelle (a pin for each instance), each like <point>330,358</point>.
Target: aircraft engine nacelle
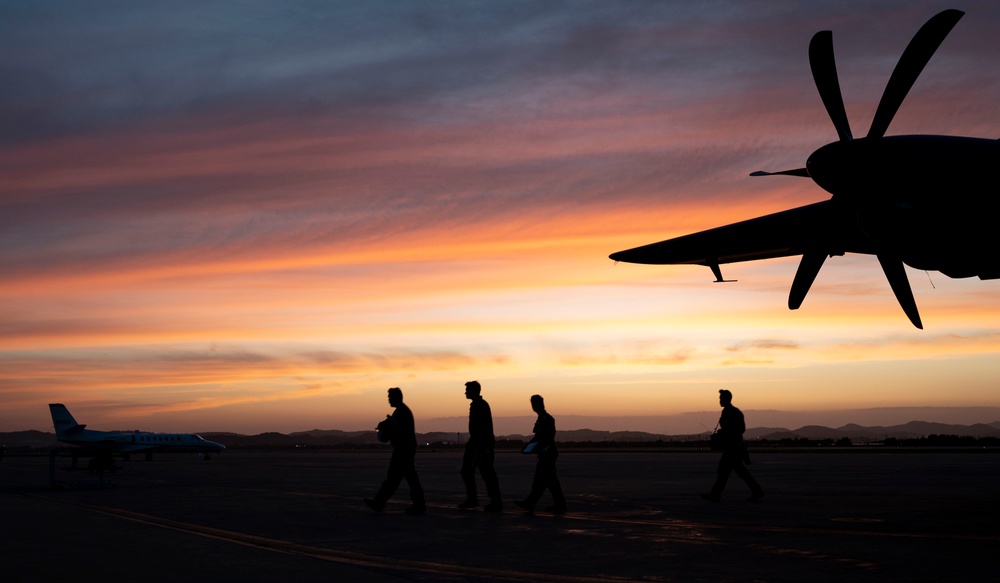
<point>907,170</point>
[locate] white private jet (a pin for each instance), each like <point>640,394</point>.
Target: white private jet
<point>125,443</point>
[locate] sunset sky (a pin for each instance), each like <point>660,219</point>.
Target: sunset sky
<point>258,216</point>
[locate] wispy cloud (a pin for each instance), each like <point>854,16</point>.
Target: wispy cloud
<point>341,195</point>
<point>764,344</point>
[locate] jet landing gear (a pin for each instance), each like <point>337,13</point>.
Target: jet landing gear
<point>102,464</point>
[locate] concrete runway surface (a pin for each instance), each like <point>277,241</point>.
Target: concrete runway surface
<point>298,516</point>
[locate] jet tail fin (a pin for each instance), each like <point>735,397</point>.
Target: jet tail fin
<point>63,421</point>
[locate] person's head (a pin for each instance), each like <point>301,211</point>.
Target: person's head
<point>395,396</point>
<point>472,389</point>
<point>725,397</point>
<point>537,403</point>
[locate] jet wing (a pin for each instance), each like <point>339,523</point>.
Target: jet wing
<point>820,227</point>
<point>136,448</point>
<point>116,443</point>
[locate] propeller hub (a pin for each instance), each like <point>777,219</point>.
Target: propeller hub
<point>844,169</point>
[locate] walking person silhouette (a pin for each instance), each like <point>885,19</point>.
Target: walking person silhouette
<point>399,430</point>
<point>479,452</point>
<point>544,446</point>
<point>734,451</point>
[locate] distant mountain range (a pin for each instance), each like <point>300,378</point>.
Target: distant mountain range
<point>911,430</point>
<point>697,422</point>
<point>332,437</point>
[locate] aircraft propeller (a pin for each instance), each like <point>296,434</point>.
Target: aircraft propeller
<point>824,70</point>
<point>911,63</point>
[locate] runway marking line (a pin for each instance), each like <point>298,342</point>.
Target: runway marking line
<point>332,555</point>
<point>689,525</point>
<point>380,562</point>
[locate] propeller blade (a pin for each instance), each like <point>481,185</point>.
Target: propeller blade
<point>804,277</point>
<point>824,70</point>
<point>911,63</point>
<point>796,172</point>
<point>900,285</point>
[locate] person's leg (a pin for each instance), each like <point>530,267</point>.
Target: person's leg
<point>744,473</point>
<point>538,485</point>
<point>409,473</point>
<point>491,479</point>
<point>468,472</point>
<point>393,477</point>
<point>558,499</point>
<point>721,476</point>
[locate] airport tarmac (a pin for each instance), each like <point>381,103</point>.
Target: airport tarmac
<point>298,516</point>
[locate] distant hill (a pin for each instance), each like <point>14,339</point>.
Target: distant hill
<point>35,440</point>
<point>28,440</point>
<point>596,436</point>
<point>911,430</point>
<point>693,423</point>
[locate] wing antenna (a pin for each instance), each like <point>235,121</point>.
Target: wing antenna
<point>718,273</point>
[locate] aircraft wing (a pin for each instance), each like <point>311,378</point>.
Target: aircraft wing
<point>113,442</point>
<point>821,227</point>
<point>135,448</point>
